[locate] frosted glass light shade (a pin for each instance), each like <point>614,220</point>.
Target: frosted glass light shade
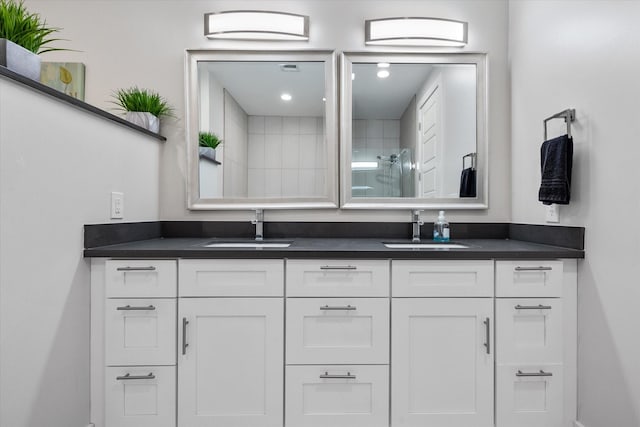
<point>415,32</point>
<point>256,25</point>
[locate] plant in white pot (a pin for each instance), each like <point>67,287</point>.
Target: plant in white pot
<point>23,36</point>
<point>207,143</point>
<point>144,107</point>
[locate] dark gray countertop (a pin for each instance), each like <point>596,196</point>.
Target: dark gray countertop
<point>360,248</point>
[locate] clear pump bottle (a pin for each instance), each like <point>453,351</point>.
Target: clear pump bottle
<point>441,229</point>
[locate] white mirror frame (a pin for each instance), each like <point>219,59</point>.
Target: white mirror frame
<point>346,115</point>
<point>194,201</point>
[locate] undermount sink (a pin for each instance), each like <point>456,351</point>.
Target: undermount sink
<point>418,245</point>
<point>248,245</point>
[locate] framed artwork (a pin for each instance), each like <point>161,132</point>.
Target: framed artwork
<point>67,77</point>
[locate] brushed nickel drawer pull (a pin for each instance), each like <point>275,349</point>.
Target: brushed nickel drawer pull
<point>533,374</point>
<point>338,267</point>
<point>129,308</point>
<point>326,376</point>
<point>532,307</point>
<point>347,307</point>
<point>487,344</point>
<point>150,268</point>
<point>185,322</point>
<point>136,377</point>
<point>541,268</point>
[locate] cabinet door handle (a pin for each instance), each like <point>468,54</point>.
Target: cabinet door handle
<point>346,307</point>
<point>532,307</point>
<point>150,268</point>
<point>487,325</point>
<point>533,374</point>
<point>541,268</point>
<point>338,267</point>
<point>128,376</point>
<point>185,322</point>
<point>129,308</point>
<point>327,376</point>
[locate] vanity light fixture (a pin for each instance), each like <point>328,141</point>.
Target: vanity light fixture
<point>383,74</point>
<point>414,31</point>
<point>383,65</point>
<point>285,97</point>
<point>256,25</point>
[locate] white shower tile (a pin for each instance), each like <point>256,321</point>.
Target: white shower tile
<point>273,125</point>
<point>290,151</point>
<point>307,182</point>
<point>359,143</point>
<point>256,151</point>
<point>290,178</point>
<point>307,151</point>
<point>255,182</point>
<point>290,125</point>
<point>308,125</point>
<point>321,153</point>
<point>320,125</point>
<point>359,128</point>
<point>256,124</point>
<point>391,129</point>
<point>320,183</point>
<point>273,151</point>
<point>273,183</point>
<point>391,144</point>
<point>374,129</point>
<point>375,144</point>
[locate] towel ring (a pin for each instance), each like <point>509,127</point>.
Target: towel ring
<point>569,115</point>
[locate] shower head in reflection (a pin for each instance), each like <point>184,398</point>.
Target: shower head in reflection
<point>393,158</point>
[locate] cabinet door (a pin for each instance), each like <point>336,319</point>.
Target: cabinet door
<point>337,330</point>
<point>337,396</point>
<point>442,279</point>
<point>230,362</point>
<point>140,396</point>
<point>442,362</point>
<point>231,277</point>
<point>140,331</point>
<point>339,278</point>
<point>529,330</point>
<point>529,396</point>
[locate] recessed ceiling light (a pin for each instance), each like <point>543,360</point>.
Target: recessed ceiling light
<point>383,65</point>
<point>383,74</point>
<point>324,99</point>
<point>285,97</point>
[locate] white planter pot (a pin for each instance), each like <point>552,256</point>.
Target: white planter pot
<point>145,120</point>
<point>207,152</point>
<point>19,60</point>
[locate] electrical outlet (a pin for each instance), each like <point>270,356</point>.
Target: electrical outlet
<point>117,205</point>
<point>553,214</point>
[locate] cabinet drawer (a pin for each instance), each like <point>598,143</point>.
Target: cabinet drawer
<point>337,330</point>
<point>337,396</point>
<point>442,278</point>
<point>529,330</point>
<point>341,278</point>
<point>529,396</point>
<point>140,331</point>
<point>529,279</point>
<point>232,278</point>
<point>142,396</point>
<point>140,278</point>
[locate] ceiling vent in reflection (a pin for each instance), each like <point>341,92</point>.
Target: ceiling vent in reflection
<point>289,67</point>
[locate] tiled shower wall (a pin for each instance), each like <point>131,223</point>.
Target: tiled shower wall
<point>287,156</point>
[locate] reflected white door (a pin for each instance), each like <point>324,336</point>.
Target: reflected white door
<point>231,357</point>
<point>429,126</point>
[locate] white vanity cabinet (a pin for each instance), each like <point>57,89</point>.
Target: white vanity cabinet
<point>442,357</point>
<point>536,343</point>
<point>230,343</point>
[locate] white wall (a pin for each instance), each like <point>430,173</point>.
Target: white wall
<point>58,166</point>
<point>584,55</point>
<point>142,42</point>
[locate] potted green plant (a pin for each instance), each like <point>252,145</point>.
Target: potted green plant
<point>23,36</point>
<point>143,107</point>
<point>207,143</point>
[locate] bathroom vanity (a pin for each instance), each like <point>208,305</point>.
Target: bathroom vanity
<point>333,332</point>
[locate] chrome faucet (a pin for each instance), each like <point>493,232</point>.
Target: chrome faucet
<point>417,222</point>
<point>259,223</point>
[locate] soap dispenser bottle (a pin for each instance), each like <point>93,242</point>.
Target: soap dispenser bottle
<point>441,229</point>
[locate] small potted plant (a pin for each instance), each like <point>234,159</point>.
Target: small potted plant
<point>23,36</point>
<point>207,143</point>
<point>144,107</point>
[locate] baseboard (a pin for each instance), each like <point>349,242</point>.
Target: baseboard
<point>578,424</point>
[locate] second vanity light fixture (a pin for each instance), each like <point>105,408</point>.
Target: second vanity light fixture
<point>415,31</point>
<point>256,25</point>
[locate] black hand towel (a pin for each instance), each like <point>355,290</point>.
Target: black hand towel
<point>556,160</point>
<point>468,183</point>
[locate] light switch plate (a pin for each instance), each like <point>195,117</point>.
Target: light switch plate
<point>117,205</point>
<point>553,214</point>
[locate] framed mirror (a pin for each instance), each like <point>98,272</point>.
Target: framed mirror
<point>413,131</point>
<point>276,115</point>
